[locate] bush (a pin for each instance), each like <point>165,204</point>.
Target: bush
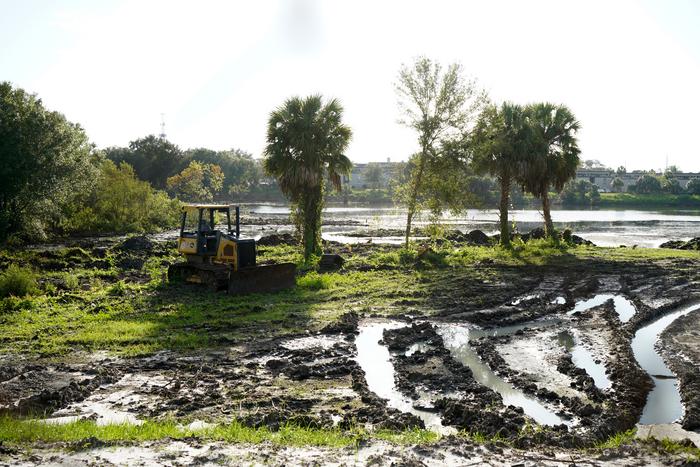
<point>121,203</point>
<point>580,192</point>
<point>17,281</point>
<point>647,184</point>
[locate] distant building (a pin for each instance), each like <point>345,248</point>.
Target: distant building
<point>358,177</point>
<point>604,177</point>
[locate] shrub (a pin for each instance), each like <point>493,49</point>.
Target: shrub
<point>121,203</point>
<point>17,281</point>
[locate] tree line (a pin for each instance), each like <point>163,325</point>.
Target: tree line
<point>54,181</point>
<point>54,176</point>
<point>460,132</point>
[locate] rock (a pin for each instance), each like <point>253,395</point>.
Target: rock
<point>576,240</point>
<point>692,244</point>
<point>673,244</point>
<point>330,262</point>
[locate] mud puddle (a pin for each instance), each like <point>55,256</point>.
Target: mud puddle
<point>664,401</point>
<point>624,308</point>
<point>456,338</point>
<point>375,360</point>
<point>114,403</point>
<point>583,358</point>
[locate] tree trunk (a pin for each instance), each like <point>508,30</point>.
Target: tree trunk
<point>413,200</point>
<point>503,208</point>
<point>548,224</point>
<point>312,222</point>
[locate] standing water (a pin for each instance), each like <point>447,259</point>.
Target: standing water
<point>456,339</point>
<point>664,401</point>
<point>375,361</point>
<point>624,308</point>
<point>582,358</point>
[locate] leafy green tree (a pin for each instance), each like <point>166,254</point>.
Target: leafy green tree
<point>46,160</point>
<point>648,184</point>
<point>670,184</point>
<point>693,187</point>
<point>121,203</point>
<point>197,182</point>
<point>617,184</point>
<point>621,170</point>
<point>241,172</point>
<point>306,140</point>
<point>580,192</point>
<point>554,156</point>
<point>500,143</point>
<point>373,175</point>
<point>153,159</point>
<point>438,106</point>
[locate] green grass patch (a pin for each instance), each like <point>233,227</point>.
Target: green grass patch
<point>17,281</point>
<point>316,281</point>
<point>662,200</point>
<point>136,317</point>
<point>20,431</point>
<point>618,439</point>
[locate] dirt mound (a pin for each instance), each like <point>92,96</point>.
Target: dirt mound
<point>278,239</point>
<point>478,237</point>
<point>692,244</point>
<point>136,243</point>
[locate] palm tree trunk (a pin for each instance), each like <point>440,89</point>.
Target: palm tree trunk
<point>312,222</point>
<point>414,195</point>
<point>548,224</point>
<point>503,208</point>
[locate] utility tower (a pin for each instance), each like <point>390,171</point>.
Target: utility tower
<point>162,126</point>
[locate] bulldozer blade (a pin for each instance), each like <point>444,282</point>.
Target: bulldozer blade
<point>266,278</point>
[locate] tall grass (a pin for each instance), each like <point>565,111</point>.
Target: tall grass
<point>17,281</point>
<point>316,281</point>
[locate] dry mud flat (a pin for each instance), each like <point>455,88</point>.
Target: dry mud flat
<point>516,355</point>
<point>448,451</point>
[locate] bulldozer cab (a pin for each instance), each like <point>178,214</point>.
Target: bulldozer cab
<point>207,234</point>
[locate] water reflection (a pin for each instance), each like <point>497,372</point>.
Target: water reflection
<point>456,339</point>
<point>582,358</point>
<point>624,308</point>
<point>664,401</point>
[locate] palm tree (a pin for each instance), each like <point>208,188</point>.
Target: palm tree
<point>554,157</point>
<point>499,145</point>
<point>306,139</point>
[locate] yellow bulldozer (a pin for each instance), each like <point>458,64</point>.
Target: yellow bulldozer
<point>217,256</point>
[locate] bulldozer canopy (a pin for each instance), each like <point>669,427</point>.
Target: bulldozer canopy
<point>218,207</point>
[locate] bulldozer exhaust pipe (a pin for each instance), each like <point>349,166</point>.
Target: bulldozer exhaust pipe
<point>238,222</point>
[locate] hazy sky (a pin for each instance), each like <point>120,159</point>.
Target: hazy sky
<point>630,70</point>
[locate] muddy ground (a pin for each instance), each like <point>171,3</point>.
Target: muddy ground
<point>680,345</point>
<point>313,378</point>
